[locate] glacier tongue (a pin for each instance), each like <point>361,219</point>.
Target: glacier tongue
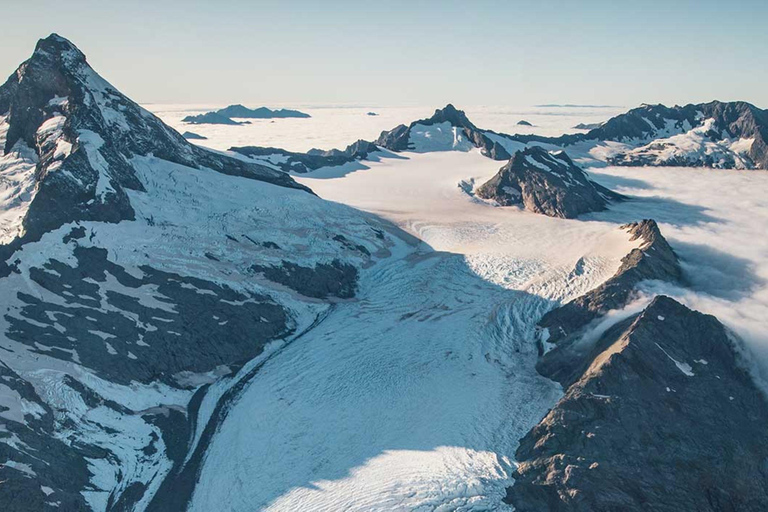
<point>406,398</point>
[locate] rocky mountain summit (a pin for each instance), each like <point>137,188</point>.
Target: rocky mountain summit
<point>716,134</point>
<point>727,135</point>
<point>547,183</point>
<point>653,259</point>
<point>447,129</point>
<point>660,416</point>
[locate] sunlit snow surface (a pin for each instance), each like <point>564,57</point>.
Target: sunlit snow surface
<point>414,395</point>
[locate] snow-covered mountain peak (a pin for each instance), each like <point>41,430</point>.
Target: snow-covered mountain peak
<point>448,129</point>
<point>68,137</point>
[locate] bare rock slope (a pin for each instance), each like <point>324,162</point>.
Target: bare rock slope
<point>547,183</point>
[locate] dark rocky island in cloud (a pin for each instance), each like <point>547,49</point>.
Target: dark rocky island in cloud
<point>226,115</point>
<point>211,118</point>
<point>242,112</point>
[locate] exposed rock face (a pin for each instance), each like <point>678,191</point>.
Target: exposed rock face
<point>548,183</point>
<point>79,135</point>
<point>653,259</point>
<point>464,134</point>
<point>259,113</point>
<point>523,122</point>
<point>228,340</point>
<point>314,159</point>
<point>334,279</point>
<point>660,417</point>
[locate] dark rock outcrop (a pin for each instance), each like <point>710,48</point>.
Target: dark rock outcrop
<point>399,138</point>
<point>654,259</point>
<point>313,159</point>
<point>218,327</point>
<point>334,279</point>
<point>548,183</point>
<point>661,417</point>
<point>523,122</point>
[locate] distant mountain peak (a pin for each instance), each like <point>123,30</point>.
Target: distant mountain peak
<point>452,115</point>
<point>463,137</point>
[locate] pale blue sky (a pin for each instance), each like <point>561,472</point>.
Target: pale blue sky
<point>409,53</point>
